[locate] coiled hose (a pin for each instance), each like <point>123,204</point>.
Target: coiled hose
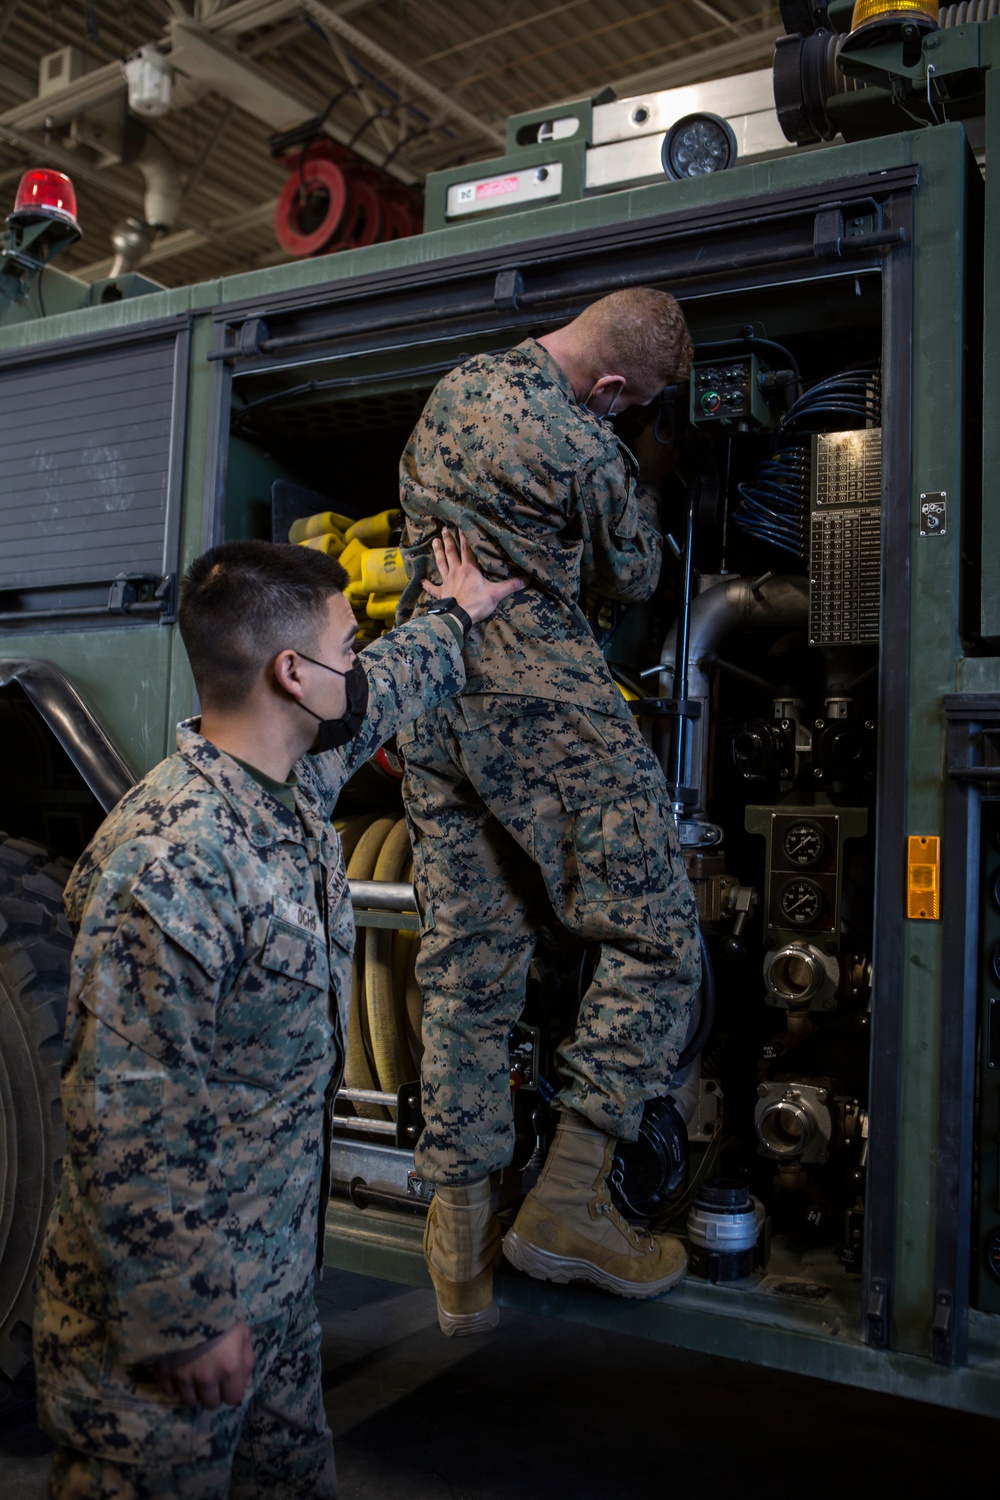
<point>359,1065</point>
<point>774,505</point>
<point>383,1027</point>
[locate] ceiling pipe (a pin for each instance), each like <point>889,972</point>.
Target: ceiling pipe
<point>132,237</point>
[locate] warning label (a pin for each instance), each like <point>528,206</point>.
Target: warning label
<point>497,187</point>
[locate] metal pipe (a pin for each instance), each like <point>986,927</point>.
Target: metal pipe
<point>132,237</point>
<point>735,603</point>
<point>366,1127</point>
<point>367,1096</point>
<point>678,743</point>
<point>382,895</point>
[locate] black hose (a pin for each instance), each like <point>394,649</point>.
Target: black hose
<point>706,1019</point>
<point>748,340</point>
<point>678,744</point>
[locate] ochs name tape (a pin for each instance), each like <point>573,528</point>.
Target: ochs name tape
<point>299,916</point>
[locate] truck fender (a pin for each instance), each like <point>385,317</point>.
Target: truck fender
<point>75,726</point>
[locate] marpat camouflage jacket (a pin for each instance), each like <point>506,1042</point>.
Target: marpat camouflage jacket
<point>544,490</point>
<point>210,982</point>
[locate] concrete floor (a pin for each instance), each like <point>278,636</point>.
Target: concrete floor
<point>551,1409</point>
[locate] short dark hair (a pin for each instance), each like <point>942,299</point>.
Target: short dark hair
<point>243,602</point>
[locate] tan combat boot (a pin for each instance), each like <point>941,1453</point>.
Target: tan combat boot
<point>568,1229</point>
<point>460,1246</point>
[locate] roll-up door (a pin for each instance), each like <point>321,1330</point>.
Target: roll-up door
<point>90,448</point>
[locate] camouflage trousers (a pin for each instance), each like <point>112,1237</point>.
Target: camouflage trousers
<point>276,1445</point>
<point>521,808</point>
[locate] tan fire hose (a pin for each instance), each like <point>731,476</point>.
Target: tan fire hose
<point>386,1002</point>
<point>359,1070</point>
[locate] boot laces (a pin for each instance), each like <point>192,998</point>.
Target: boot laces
<point>640,1239</point>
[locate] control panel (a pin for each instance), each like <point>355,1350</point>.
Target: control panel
<point>727,392</point>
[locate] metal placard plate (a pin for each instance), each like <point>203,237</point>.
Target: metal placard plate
<point>933,513</point>
<point>506,189</point>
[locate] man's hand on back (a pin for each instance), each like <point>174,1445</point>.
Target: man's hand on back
<point>212,1375</point>
<point>462,580</point>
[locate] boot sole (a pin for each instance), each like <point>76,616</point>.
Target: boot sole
<point>458,1325</point>
<point>544,1265</point>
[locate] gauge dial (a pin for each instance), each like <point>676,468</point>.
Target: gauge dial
<point>801,902</point>
<point>803,844</point>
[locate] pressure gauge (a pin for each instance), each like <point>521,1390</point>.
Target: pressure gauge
<point>803,844</point>
<point>698,145</point>
<point>801,902</point>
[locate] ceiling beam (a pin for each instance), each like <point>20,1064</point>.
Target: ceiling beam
<point>7,12</point>
<point>93,89</point>
<point>217,65</point>
<point>17,83</point>
<point>186,240</point>
<point>696,67</point>
<point>72,164</point>
<point>416,82</point>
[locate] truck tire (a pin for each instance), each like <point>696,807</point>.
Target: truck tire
<point>35,946</point>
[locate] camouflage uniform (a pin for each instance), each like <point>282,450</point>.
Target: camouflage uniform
<point>534,792</point>
<point>208,998</point>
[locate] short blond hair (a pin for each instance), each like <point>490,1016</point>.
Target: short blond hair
<point>639,333</point>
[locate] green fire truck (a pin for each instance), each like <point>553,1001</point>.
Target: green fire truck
<point>819,670</point>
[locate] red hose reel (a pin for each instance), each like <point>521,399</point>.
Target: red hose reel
<point>334,200</point>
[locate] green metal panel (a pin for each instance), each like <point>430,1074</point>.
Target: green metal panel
<point>196,505</point>
<point>986,1293</point>
<point>796,1320</point>
<point>571,155</point>
<point>519,127</point>
<point>937,394</point>
<point>121,675</point>
<point>782,174</point>
<point>991,359</point>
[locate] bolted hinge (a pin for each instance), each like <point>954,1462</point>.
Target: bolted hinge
<point>854,229</point>
<point>877,1314</point>
<point>943,1328</point>
<point>508,288</point>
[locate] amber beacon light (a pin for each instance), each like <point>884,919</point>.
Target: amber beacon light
<point>866,11</point>
<point>923,877</point>
<point>876,21</point>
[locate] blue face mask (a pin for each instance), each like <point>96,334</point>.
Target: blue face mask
<point>336,732</point>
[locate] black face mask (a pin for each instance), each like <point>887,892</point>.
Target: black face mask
<point>336,732</point>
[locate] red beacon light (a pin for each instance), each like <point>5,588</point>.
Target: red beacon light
<point>45,195</point>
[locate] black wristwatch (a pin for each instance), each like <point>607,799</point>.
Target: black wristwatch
<point>449,607</point>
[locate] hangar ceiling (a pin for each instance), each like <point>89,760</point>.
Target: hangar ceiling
<point>414,85</point>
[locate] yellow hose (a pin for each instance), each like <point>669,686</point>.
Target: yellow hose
<point>324,521</point>
<point>404,984</point>
<point>329,542</point>
<point>382,606</point>
<point>358,1069</point>
<point>386,1011</point>
<point>373,531</point>
<point>382,570</point>
<point>350,830</point>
